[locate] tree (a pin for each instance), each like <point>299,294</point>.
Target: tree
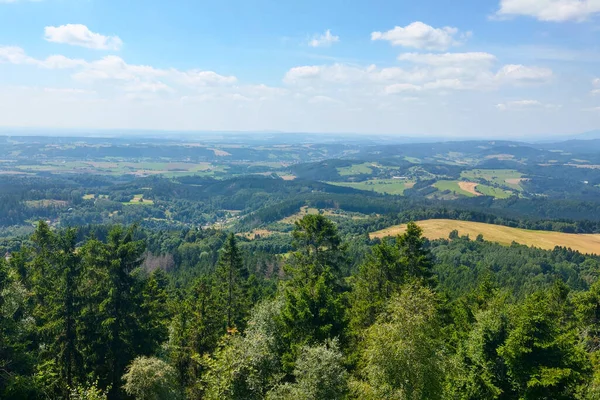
<point>378,278</point>
<point>110,319</point>
<point>232,279</point>
<point>55,272</point>
<point>415,255</point>
<point>404,356</point>
<point>313,310</point>
<point>149,378</point>
<point>319,374</point>
<point>480,372</point>
<point>248,366</point>
<point>542,353</point>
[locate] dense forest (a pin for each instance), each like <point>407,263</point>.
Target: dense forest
<point>128,313</point>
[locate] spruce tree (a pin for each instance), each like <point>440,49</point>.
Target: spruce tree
<point>232,278</point>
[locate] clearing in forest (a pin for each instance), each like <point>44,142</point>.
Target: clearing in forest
<point>441,228</point>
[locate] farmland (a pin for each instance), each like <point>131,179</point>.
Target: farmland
<point>502,177</point>
<point>441,228</point>
<point>386,186</point>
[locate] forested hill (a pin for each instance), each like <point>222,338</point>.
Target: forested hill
<point>129,313</point>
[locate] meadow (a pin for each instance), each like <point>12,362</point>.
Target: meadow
<point>441,228</point>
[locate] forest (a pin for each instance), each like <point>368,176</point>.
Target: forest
<point>120,312</point>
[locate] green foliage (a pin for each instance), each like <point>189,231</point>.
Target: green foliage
<point>87,392</point>
<point>542,353</point>
<point>149,378</point>
<point>404,356</point>
<point>232,279</point>
<point>313,310</point>
<point>319,374</point>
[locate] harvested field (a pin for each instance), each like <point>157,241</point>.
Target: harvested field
<point>441,228</point>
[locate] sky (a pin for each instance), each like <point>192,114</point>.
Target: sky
<point>466,68</point>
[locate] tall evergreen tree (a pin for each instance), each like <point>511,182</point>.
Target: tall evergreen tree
<point>55,276</point>
<point>313,310</point>
<point>111,318</point>
<point>232,278</point>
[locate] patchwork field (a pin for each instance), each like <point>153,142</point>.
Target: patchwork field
<point>452,186</point>
<point>441,228</point>
<point>502,177</point>
<point>117,167</point>
<point>356,169</point>
<point>386,186</point>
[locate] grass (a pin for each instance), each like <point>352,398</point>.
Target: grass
<point>508,178</point>
<point>387,186</point>
<point>497,193</point>
<point>356,169</point>
<point>441,228</point>
<point>452,186</point>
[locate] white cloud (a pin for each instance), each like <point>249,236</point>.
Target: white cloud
<point>402,88</point>
<point>205,78</point>
<point>449,58</point>
<point>16,55</point>
<point>516,73</point>
<point>80,35</point>
<point>550,10</point>
<point>450,71</point>
<point>151,87</point>
<point>324,40</point>
<point>524,104</point>
<point>421,36</point>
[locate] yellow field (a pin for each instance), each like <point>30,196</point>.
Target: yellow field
<point>441,228</point>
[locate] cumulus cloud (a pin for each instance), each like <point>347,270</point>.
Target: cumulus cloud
<point>448,58</point>
<point>550,10</point>
<point>524,104</point>
<point>324,40</point>
<point>81,35</point>
<point>115,70</point>
<point>402,88</point>
<point>421,36</point>
<point>517,73</point>
<point>16,55</point>
<point>450,71</point>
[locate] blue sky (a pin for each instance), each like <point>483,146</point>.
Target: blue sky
<point>493,68</point>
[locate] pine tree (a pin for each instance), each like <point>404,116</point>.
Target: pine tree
<point>232,279</point>
<point>55,276</point>
<point>111,317</point>
<point>313,310</point>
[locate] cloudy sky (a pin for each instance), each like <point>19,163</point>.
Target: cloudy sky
<point>485,68</point>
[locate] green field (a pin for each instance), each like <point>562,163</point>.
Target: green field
<point>452,186</point>
<point>508,178</point>
<point>356,169</point>
<point>386,186</point>
<point>497,193</point>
